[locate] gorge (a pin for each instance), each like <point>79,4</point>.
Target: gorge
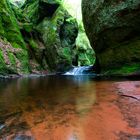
<point>70,70</point>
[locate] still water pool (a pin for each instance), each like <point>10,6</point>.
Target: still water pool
<point>67,108</point>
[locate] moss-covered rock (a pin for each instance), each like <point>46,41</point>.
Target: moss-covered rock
<point>49,32</point>
<point>58,34</point>
<point>9,29</point>
<point>14,55</point>
<point>13,60</point>
<point>113,28</point>
<point>40,35</point>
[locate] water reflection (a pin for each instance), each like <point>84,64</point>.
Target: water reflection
<point>45,106</point>
<point>68,108</point>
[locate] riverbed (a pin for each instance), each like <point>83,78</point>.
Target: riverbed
<point>69,108</point>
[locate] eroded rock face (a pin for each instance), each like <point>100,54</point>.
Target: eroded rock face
<point>113,28</point>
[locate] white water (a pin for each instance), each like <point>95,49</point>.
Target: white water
<point>79,70</point>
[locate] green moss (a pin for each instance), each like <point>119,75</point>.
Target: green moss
<point>83,60</point>
<point>24,60</point>
<point>9,26</point>
<point>1,28</point>
<point>3,67</point>
<point>28,27</point>
<point>30,11</point>
<point>33,44</point>
<point>15,45</point>
<point>50,29</point>
<point>2,63</point>
<point>91,55</point>
<point>125,70</point>
<point>65,54</point>
<point>12,58</point>
<point>86,55</point>
<point>12,61</point>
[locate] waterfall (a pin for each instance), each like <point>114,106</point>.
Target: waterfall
<point>83,70</point>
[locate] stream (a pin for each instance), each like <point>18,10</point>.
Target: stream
<point>69,108</point>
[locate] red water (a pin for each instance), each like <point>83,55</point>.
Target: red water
<point>63,108</point>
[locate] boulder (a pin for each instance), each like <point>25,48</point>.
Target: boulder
<point>113,28</point>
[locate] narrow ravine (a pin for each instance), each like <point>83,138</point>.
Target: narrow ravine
<point>70,70</point>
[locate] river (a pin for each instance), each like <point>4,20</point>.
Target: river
<point>69,108</point>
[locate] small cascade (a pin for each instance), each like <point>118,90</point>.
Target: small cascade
<point>82,70</point>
